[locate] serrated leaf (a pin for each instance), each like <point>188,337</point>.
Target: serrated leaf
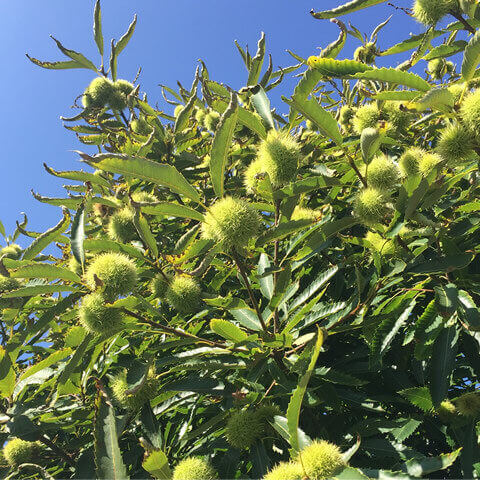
<point>171,210</point>
<point>38,290</point>
<point>52,359</point>
<point>346,8</point>
<point>442,363</point>
<point>410,43</point>
<point>7,374</point>
<point>314,112</point>
<point>280,424</point>
<point>266,282</point>
<point>446,299</point>
<point>143,229</point>
<point>396,96</point>
<point>295,404</point>
<point>418,467</point>
<point>471,57</point>
<point>392,75</point>
<point>402,432</point>
<point>442,264</point>
<point>80,176</point>
<point>77,57</point>
<point>156,464</point>
<point>46,271</point>
<point>55,65</point>
<point>227,330</point>
<point>77,235</point>
<point>97,27</point>
<point>261,103</point>
<point>147,170</point>
<point>257,62</point>
<point>221,145</point>
<point>46,238</point>
<point>337,68</point>
<point>418,396</point>
<point>108,458</point>
<point>123,42</point>
<point>248,318</point>
<point>437,99</point>
<point>444,50</point>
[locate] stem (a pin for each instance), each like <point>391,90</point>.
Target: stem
<point>357,171</point>
<point>241,269</point>
<point>459,17</point>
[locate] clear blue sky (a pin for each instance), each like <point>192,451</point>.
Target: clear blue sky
<point>170,36</point>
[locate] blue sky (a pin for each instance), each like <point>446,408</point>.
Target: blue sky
<point>171,36</point>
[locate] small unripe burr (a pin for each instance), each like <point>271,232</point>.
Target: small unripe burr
<point>321,460</point>
<point>470,112</point>
<point>115,271</point>
<point>437,68</point>
<point>134,401</point>
<point>183,294</point>
<point>468,404</point>
<point>398,119</point>
<point>367,116</point>
<point>383,173</point>
<point>366,53</point>
<point>211,120</point>
<point>194,468</point>
<point>141,126</point>
<point>372,205</point>
<point>447,412</point>
<point>118,98</point>
<point>409,161</point>
<point>121,227</point>
<point>244,428</point>
<point>7,284</point>
<point>253,175</point>
<point>284,471</point>
<point>345,116</point>
<point>159,286</point>
<point>200,115</point>
<point>231,222</point>
<point>428,162</point>
<point>18,451</point>
<point>12,251</point>
<point>455,145</point>
<point>385,247</point>
<point>280,157</point>
<point>429,12</point>
<point>98,317</point>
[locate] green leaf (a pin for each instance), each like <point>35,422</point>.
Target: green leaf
<point>305,185</point>
<point>314,112</point>
<point>103,245</point>
<point>295,404</point>
<point>266,282</point>
<point>418,467</point>
<point>221,145</point>
<point>123,42</point>
<point>468,311</point>
<point>7,374</point>
<point>181,121</point>
<point>46,238</point>
<point>38,290</point>
<point>280,424</point>
<point>77,235</point>
<point>147,170</point>
<point>346,8</point>
<point>248,318</point>
<point>171,210</point>
<point>337,68</point>
<point>442,363</point>
<point>53,358</point>
<point>80,176</point>
<point>46,271</point>
<point>418,396</point>
<point>156,464</point>
<point>257,62</point>
<point>406,428</point>
<point>145,233</point>
<point>437,99</point>
<point>282,230</point>
<point>108,458</point>
<point>396,95</point>
<point>444,50</point>
<point>227,330</point>
<point>55,65</point>
<point>392,75</point>
<point>471,57</point>
<point>75,56</point>
<point>442,264</point>
<point>446,299</point>
<point>97,27</point>
<point>261,103</point>
<point>410,43</point>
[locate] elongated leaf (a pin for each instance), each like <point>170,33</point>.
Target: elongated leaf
<point>46,238</point>
<point>248,318</point>
<point>245,117</point>
<point>346,8</point>
<point>283,229</point>
<point>442,363</point>
<point>77,235</point>
<point>55,65</point>
<point>266,282</point>
<point>7,374</point>
<point>395,95</point>
<point>261,103</point>
<point>44,270</point>
<point>295,404</point>
<point>227,330</point>
<point>123,42</point>
<point>181,120</point>
<point>280,424</point>
<point>77,57</point>
<point>305,185</point>
<point>52,359</point>
<point>108,458</point>
<point>443,51</point>
<point>156,464</point>
<point>97,27</point>
<point>257,62</point>
<point>471,57</point>
<point>418,396</point>
<point>418,467</point>
<point>221,145</point>
<point>443,264</point>
<point>38,290</point>
<point>145,233</point>
<point>410,43</point>
<point>80,176</point>
<point>392,75</point>
<point>337,68</point>
<point>171,210</point>
<point>437,99</point>
<point>314,112</point>
<point>148,170</point>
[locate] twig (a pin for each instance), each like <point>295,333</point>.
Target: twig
<point>241,269</point>
<point>357,171</point>
<point>57,450</point>
<point>459,17</point>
